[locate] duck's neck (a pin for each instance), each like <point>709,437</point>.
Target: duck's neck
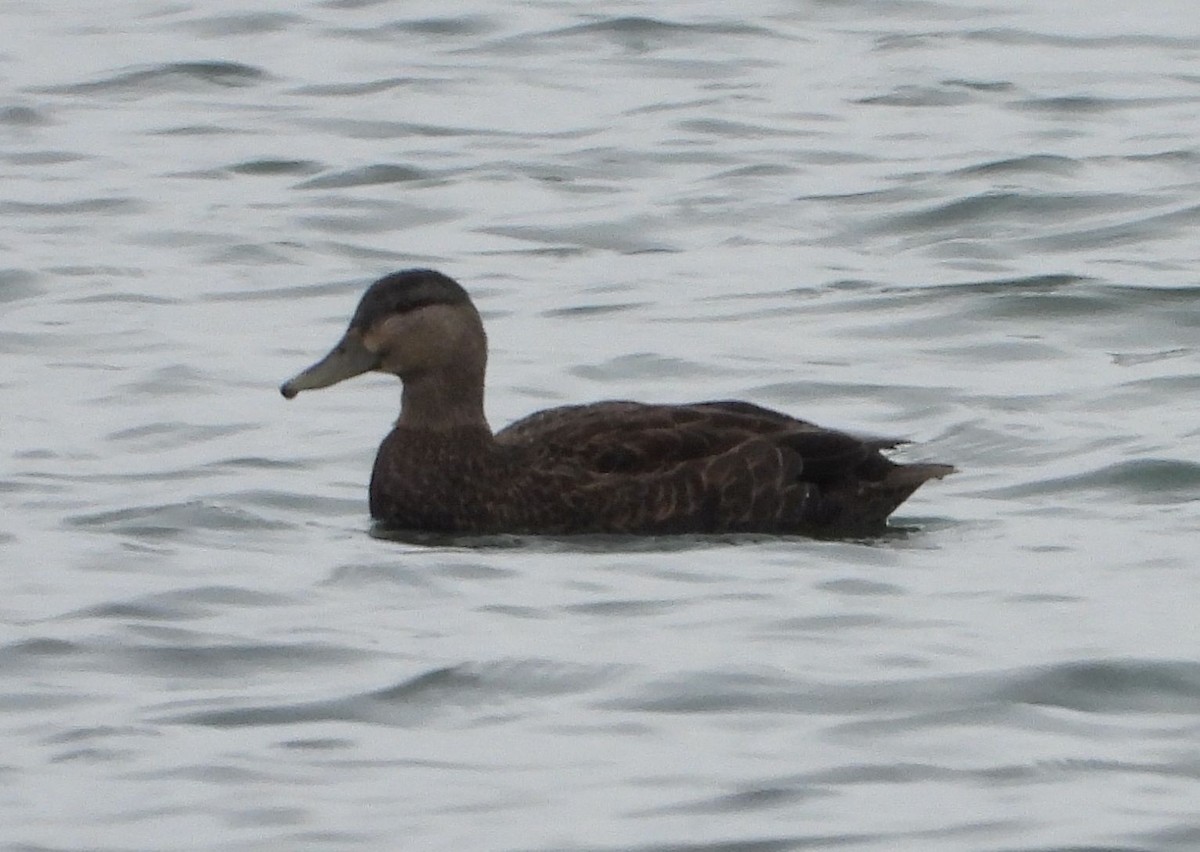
<point>443,400</point>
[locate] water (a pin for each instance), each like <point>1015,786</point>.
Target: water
<point>972,224</point>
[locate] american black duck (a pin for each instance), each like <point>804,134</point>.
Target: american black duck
<point>605,467</point>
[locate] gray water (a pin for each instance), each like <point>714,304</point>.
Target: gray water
<point>973,224</point>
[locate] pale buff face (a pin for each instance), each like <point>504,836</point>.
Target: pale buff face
<point>434,339</point>
<point>428,339</point>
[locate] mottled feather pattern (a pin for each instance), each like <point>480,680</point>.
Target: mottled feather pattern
<point>599,469</point>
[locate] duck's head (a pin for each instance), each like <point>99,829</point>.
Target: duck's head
<point>413,324</point>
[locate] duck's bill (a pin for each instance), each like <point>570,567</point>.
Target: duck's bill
<point>347,360</point>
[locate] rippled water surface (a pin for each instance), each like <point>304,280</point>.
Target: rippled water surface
<point>973,224</point>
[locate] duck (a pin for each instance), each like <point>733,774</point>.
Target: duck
<point>617,466</point>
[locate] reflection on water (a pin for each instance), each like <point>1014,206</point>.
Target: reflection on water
<point>917,219</point>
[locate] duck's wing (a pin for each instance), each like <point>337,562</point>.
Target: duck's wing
<point>716,466</point>
<point>809,482</point>
<point>632,437</point>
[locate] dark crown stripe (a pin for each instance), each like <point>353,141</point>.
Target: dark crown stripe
<point>406,291</point>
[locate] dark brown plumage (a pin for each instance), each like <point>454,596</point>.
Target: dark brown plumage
<point>607,467</point>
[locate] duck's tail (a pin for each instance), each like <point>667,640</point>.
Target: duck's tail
<point>864,507</point>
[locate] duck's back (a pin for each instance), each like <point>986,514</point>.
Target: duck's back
<point>635,437</point>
